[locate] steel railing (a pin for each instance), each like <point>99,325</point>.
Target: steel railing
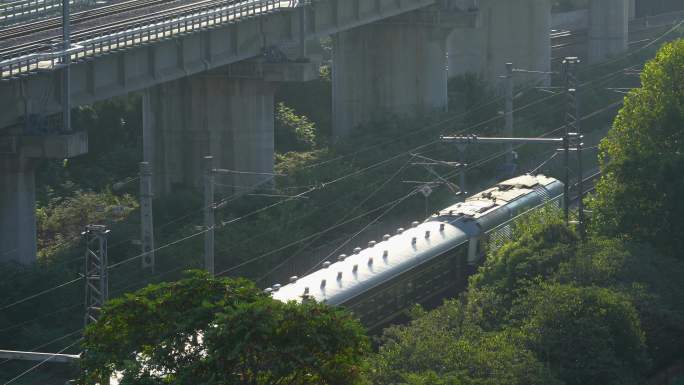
<point>145,32</point>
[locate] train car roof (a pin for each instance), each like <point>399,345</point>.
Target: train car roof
<point>360,272</point>
<point>503,193</point>
<point>338,282</point>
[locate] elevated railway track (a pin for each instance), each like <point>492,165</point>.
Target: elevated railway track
<point>37,46</point>
<point>55,23</point>
<point>130,14</point>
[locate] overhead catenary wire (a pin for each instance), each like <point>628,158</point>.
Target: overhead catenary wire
<point>25,299</point>
<point>349,213</point>
<point>42,316</point>
<point>249,214</point>
<point>314,188</point>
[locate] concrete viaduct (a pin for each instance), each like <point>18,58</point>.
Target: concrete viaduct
<point>208,88</point>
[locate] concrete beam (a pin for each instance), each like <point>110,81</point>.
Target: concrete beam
<point>54,146</point>
<point>42,357</point>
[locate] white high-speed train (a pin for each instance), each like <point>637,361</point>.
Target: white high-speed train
<point>419,263</point>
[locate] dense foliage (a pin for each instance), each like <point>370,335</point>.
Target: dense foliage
<point>203,330</point>
<point>602,312</point>
<point>642,159</point>
<point>492,335</point>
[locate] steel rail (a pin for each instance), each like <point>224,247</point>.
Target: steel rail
<point>17,11</point>
<point>113,26</point>
<point>105,39</point>
<point>78,17</point>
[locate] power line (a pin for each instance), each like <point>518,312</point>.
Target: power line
<point>40,293</point>
<point>323,185</point>
<point>368,197</point>
<point>11,327</point>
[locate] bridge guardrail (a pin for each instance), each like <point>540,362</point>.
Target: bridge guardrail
<point>147,32</point>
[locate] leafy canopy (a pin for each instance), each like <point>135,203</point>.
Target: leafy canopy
<point>642,159</point>
<point>204,330</point>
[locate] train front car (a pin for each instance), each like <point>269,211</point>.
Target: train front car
<point>425,261</point>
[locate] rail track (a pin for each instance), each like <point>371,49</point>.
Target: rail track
<point>109,27</point>
<point>77,18</point>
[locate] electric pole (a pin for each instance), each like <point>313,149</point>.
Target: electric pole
<point>508,130</point>
<point>573,127</point>
<point>66,70</point>
<point>209,214</point>
<point>96,276</point>
<point>146,218</point>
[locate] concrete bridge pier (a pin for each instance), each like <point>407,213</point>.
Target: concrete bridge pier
<point>510,31</point>
<point>608,29</point>
<point>18,154</point>
<point>228,114</point>
<point>17,209</point>
<point>393,67</point>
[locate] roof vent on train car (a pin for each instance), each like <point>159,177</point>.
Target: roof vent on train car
<point>415,224</point>
<point>355,268</point>
<point>386,237</point>
<point>342,257</point>
<point>322,283</point>
<point>268,290</point>
<point>371,244</point>
<point>339,275</point>
<point>276,287</point>
<point>326,264</point>
<point>427,234</point>
<point>400,230</point>
<point>414,240</point>
<point>385,254</point>
<point>441,227</point>
<point>357,250</point>
<point>370,261</point>
<point>293,279</point>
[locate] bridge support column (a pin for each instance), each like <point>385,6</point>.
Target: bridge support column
<point>228,114</point>
<point>230,119</point>
<point>17,209</point>
<point>510,31</point>
<point>18,187</point>
<point>394,67</point>
<point>608,29</point>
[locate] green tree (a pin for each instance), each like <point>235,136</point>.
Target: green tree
<point>642,159</point>
<point>441,348</point>
<point>587,335</point>
<point>542,242</point>
<point>293,132</point>
<point>204,330</point>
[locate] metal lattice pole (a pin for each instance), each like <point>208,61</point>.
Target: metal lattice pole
<point>96,277</point>
<point>573,129</point>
